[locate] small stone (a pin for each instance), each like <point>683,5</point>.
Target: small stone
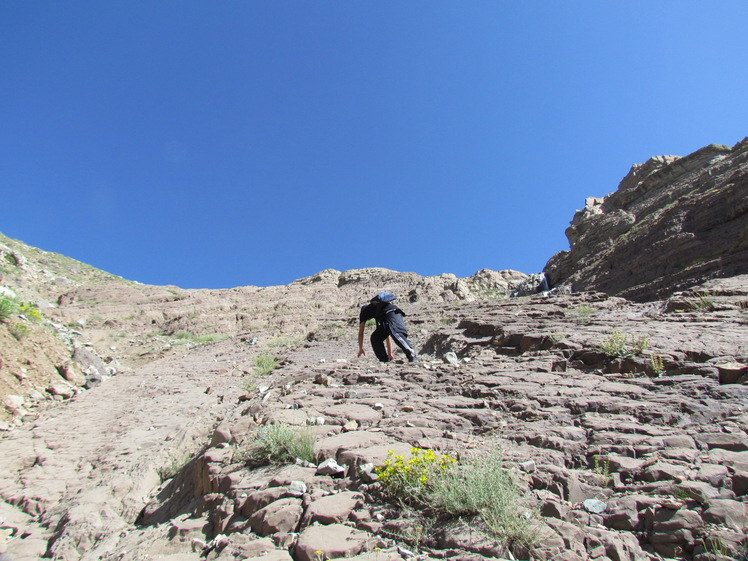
<point>93,379</point>
<point>220,541</point>
<point>366,472</point>
<point>322,379</point>
<point>404,552</point>
<point>297,488</point>
<point>528,466</point>
<point>63,390</point>
<point>451,358</point>
<point>350,426</point>
<point>594,506</point>
<point>330,467</point>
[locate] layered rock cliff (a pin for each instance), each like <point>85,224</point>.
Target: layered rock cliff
<point>672,223</point>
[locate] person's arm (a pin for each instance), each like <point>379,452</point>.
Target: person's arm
<point>361,338</point>
<point>389,348</point>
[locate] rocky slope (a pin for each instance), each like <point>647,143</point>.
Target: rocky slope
<point>672,222</point>
<point>131,411</point>
<point>630,456</point>
<point>89,324</point>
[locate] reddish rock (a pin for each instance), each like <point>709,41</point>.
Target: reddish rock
<point>281,516</point>
<point>332,509</point>
<point>329,542</point>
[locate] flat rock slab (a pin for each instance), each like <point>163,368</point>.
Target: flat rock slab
<point>332,509</point>
<point>329,542</point>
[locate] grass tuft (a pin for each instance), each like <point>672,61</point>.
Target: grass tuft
<point>264,364</point>
<point>8,307</point>
<point>19,330</point>
<point>279,443</point>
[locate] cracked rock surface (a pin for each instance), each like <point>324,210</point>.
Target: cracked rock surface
<point>642,454</point>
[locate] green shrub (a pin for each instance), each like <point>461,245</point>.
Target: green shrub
<point>281,444</point>
<point>639,344</point>
<point>250,384</point>
<point>602,469</point>
<point>480,486</point>
<point>616,345</point>
<point>187,337</point>
<point>483,486</point>
<point>584,312</point>
<point>285,341</point>
<point>700,302</point>
<point>8,307</point>
<point>657,365</point>
<point>210,337</point>
<point>12,258</point>
<point>19,330</point>
<point>265,364</point>
<point>173,464</point>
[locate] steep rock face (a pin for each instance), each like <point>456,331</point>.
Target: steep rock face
<point>672,223</point>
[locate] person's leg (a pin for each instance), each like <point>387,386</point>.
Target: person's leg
<point>377,344</point>
<point>401,340</point>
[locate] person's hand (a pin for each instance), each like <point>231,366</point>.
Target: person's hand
<point>391,356</point>
<point>361,352</point>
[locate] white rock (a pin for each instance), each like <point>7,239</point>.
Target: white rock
<point>451,358</point>
<point>330,467</point>
<point>297,488</point>
<point>594,506</point>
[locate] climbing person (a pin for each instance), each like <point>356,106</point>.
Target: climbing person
<point>390,324</point>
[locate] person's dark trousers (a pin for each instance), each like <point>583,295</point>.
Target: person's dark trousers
<point>377,343</point>
<point>400,338</point>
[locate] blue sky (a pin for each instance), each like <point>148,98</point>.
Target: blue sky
<point>221,144</point>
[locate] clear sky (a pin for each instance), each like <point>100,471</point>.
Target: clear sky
<point>219,144</point>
